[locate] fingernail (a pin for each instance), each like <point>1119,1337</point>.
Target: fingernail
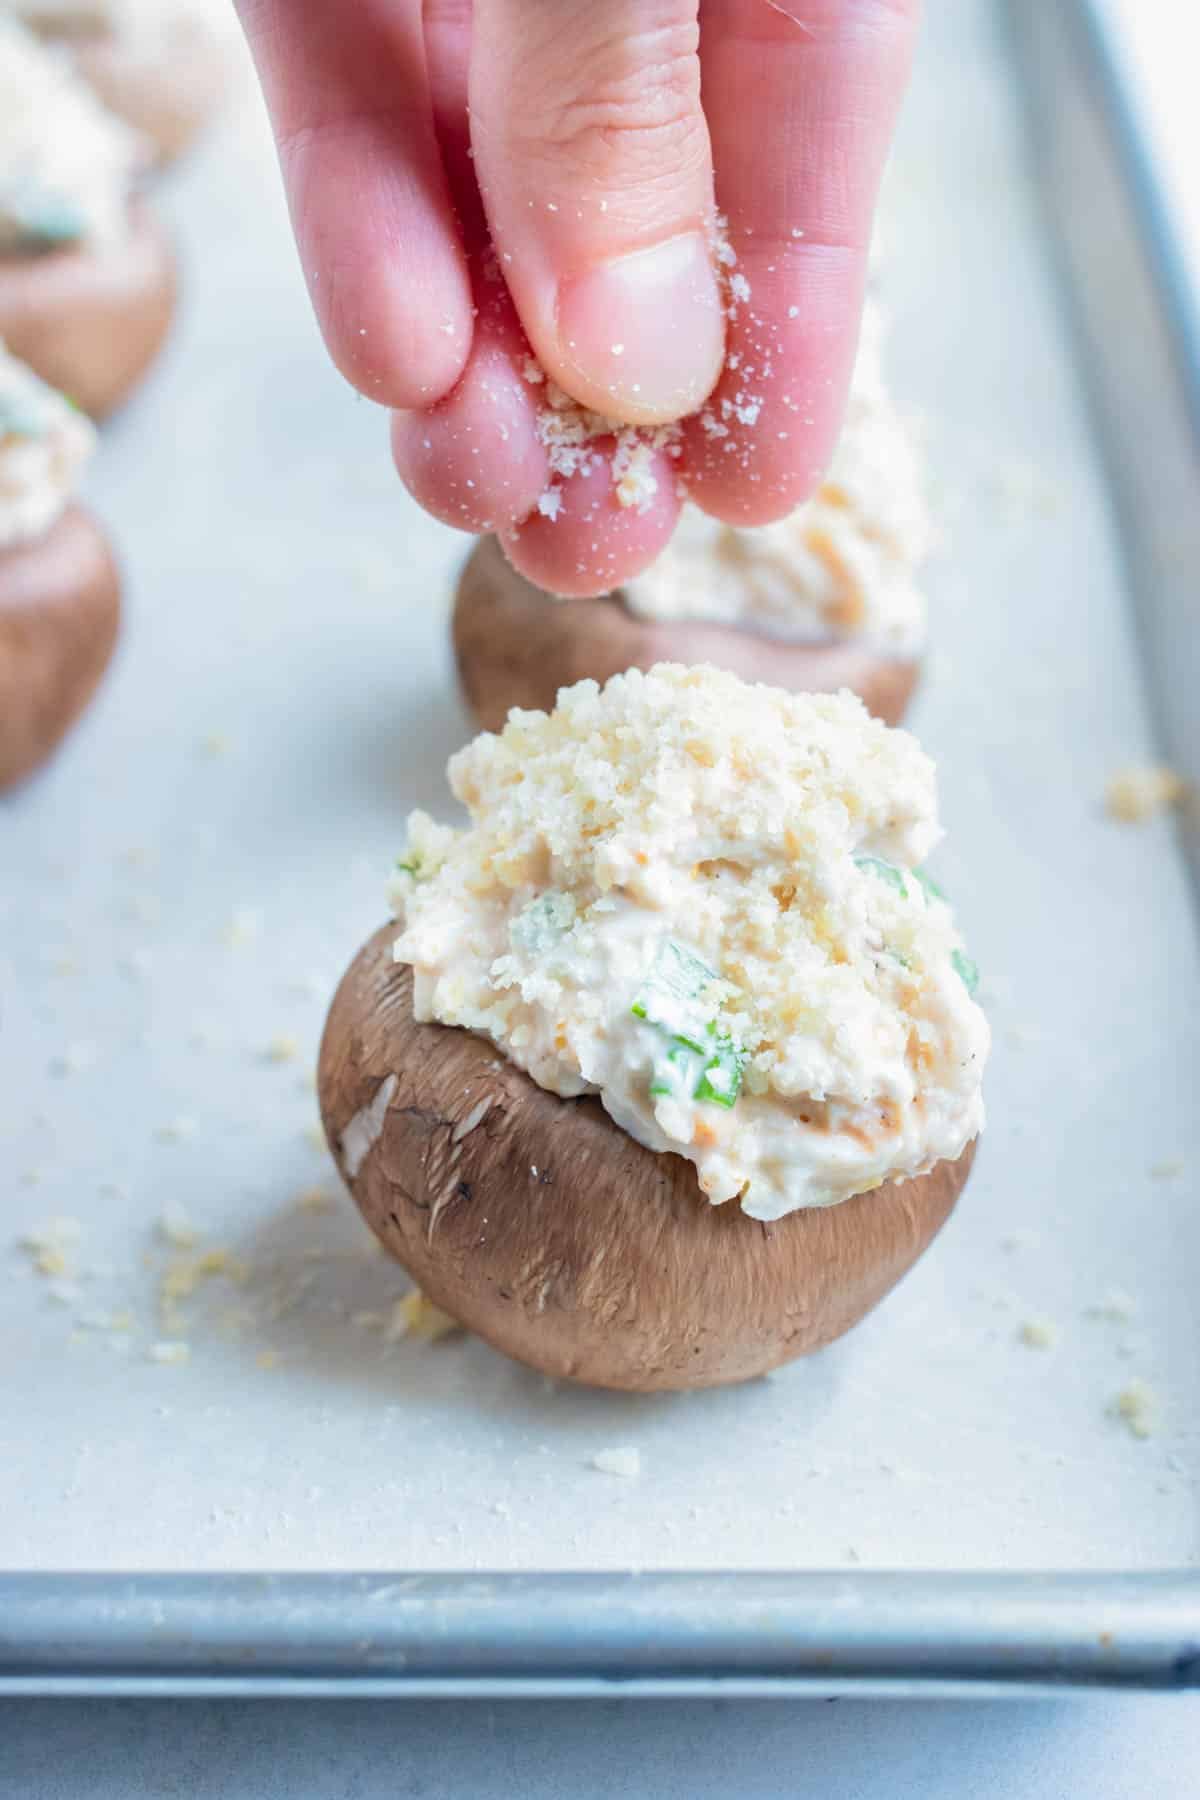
<point>645,333</point>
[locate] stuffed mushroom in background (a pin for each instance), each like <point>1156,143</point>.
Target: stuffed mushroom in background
<point>59,590</point>
<point>87,280</point>
<point>827,598</point>
<point>161,65</point>
<point>672,1067</point>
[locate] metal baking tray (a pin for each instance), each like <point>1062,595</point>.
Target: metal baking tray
<point>307,1504</point>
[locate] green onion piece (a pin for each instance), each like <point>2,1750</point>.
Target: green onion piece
<point>540,925</point>
<point>967,970</point>
<point>48,219</point>
<point>673,994</point>
<point>886,871</point>
<point>721,1079</point>
<point>714,1074</point>
<point>932,890</point>
<point>676,1070</point>
<point>21,418</point>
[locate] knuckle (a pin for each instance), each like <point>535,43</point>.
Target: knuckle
<point>634,113</point>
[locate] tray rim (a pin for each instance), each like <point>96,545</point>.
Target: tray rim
<point>744,1633</point>
<point>724,1633</point>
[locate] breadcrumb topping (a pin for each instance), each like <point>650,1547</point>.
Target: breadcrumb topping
<point>702,900</point>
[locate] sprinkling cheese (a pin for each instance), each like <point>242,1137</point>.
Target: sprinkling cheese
<point>66,165</point>
<point>44,444</point>
<point>843,565</point>
<point>701,900</point>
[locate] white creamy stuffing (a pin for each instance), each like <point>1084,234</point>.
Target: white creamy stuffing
<point>698,899</point>
<point>842,565</point>
<point>137,23</point>
<point>66,165</point>
<point>44,443</point>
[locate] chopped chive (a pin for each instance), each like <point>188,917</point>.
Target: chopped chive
<point>699,1061</point>
<point>713,1074</point>
<point>966,969</point>
<point>721,1079</point>
<point>673,995</point>
<point>886,871</point>
<point>932,890</point>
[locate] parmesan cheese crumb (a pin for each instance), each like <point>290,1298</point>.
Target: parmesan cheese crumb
<point>1038,1334</point>
<point>1137,1407</point>
<point>176,1227</point>
<point>175,1130</point>
<point>1116,1306</point>
<point>1137,793</point>
<point>622,1461</point>
<point>169,1350</point>
<point>415,1316</point>
<point>283,1047</point>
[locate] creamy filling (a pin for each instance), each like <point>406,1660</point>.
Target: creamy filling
<point>44,443</point>
<point>66,165</point>
<point>140,25</point>
<point>843,565</point>
<point>768,989</point>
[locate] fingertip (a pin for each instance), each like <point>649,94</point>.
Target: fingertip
<point>474,461</point>
<point>760,445</point>
<point>584,541</point>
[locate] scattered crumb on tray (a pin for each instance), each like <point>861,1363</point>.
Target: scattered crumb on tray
<point>1116,1306</point>
<point>1138,792</point>
<point>621,1460</point>
<point>415,1316</point>
<point>168,1350</point>
<point>173,1131</point>
<point>51,1246</point>
<point>243,927</point>
<point>1038,1334</point>
<point>176,1227</point>
<point>1137,1406</point>
<point>282,1048</point>
<point>1170,1170</point>
<point>315,1200</point>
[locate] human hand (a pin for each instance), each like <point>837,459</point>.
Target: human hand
<point>470,182</point>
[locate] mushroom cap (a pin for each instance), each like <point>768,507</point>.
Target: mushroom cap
<point>169,93</point>
<point>90,319</point>
<point>59,610</point>
<point>543,1227</point>
<point>516,646</point>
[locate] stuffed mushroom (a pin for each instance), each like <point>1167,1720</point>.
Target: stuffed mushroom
<point>59,591</point>
<point>87,280</point>
<point>161,65</point>
<point>671,1066</point>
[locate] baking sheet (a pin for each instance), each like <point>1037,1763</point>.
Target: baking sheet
<point>180,891</point>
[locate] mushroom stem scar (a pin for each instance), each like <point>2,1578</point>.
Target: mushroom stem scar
<point>366,1128</point>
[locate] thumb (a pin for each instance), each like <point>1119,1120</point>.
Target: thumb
<point>593,159</point>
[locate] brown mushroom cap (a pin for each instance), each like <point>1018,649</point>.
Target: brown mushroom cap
<point>91,319</point>
<point>516,646</point>
<point>542,1226</point>
<point>59,610</point>
<point>168,95</point>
